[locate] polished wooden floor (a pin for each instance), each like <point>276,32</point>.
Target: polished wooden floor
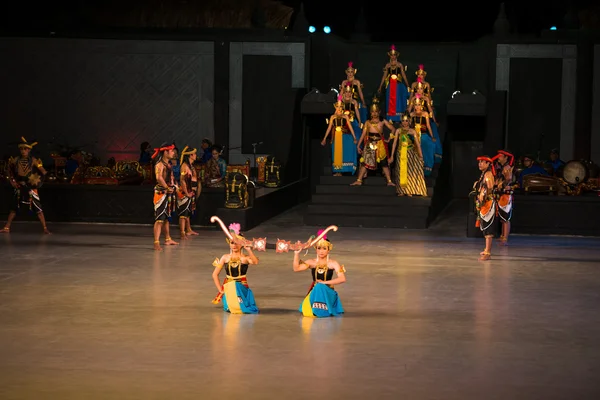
<point>92,312</point>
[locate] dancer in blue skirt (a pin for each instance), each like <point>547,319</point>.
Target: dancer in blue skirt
<point>235,294</point>
<point>322,300</point>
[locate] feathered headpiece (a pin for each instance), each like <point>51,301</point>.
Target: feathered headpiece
<point>186,152</point>
<point>419,83</point>
<point>339,102</point>
<point>26,144</point>
<point>375,105</point>
<point>324,242</point>
<point>348,88</point>
<point>163,147</point>
<point>418,101</point>
<point>393,51</point>
<point>234,229</point>
<point>421,71</point>
<point>351,68</point>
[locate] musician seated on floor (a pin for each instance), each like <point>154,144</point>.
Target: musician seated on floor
<point>530,168</point>
<point>555,162</point>
<point>74,161</point>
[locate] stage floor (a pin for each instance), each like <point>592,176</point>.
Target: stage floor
<point>92,312</point>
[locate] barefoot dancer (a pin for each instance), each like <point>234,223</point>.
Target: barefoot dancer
<point>164,191</point>
<point>24,178</point>
<point>375,152</point>
<point>506,184</point>
<point>186,195</point>
<point>322,300</point>
<point>485,203</point>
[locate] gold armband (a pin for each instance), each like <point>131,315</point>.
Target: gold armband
<point>216,263</point>
<point>342,269</point>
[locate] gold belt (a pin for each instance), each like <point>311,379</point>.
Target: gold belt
<point>235,278</point>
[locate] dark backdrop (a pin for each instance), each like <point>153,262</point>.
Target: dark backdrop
<point>534,105</point>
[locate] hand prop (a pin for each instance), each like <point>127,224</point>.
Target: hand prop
<point>283,246</point>
<point>259,244</point>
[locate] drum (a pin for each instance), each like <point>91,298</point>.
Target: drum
<point>575,172</point>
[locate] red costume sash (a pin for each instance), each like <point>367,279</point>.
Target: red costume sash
<point>392,99</point>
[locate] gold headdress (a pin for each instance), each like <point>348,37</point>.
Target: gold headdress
<point>186,152</point>
<point>324,242</point>
<point>351,68</point>
<point>393,51</point>
<point>421,71</point>
<point>375,105</point>
<point>339,102</point>
<point>26,144</point>
<point>405,117</point>
<point>418,101</point>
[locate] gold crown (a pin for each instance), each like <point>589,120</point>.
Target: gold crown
<point>375,104</point>
<point>26,144</point>
<point>186,152</point>
<point>405,117</point>
<point>324,243</point>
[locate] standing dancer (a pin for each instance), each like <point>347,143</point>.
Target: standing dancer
<point>322,300</point>
<point>396,86</point>
<point>186,195</point>
<point>357,87</point>
<point>164,193</point>
<point>343,149</point>
<point>409,161</point>
<point>485,204</point>
<point>506,185</point>
<point>234,292</point>
<point>375,150</point>
<point>24,178</point>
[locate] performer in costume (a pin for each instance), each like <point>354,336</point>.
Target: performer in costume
<point>420,123</point>
<point>375,151</point>
<point>485,203</point>
<point>343,147</point>
<point>24,176</point>
<point>322,300</point>
<point>235,294</point>
<point>396,85</point>
<point>164,193</point>
<point>428,106</point>
<point>351,109</point>
<point>186,195</point>
<point>421,75</point>
<point>506,184</point>
<point>409,161</point>
<point>357,87</point>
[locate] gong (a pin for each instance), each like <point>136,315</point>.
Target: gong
<point>575,172</point>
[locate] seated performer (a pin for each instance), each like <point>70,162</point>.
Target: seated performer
<point>343,140</point>
<point>322,300</point>
<point>24,176</point>
<point>485,203</point>
<point>530,168</point>
<point>215,170</point>
<point>396,87</point>
<point>375,151</point>
<point>164,194</point>
<point>186,195</point>
<point>236,295</point>
<point>357,93</point>
<point>409,161</point>
<point>420,123</point>
<point>555,162</point>
<point>505,184</point>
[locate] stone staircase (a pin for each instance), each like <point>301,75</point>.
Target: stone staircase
<point>372,205</point>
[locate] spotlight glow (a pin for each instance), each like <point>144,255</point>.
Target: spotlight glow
<point>312,29</point>
<point>552,28</point>
<point>326,29</point>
